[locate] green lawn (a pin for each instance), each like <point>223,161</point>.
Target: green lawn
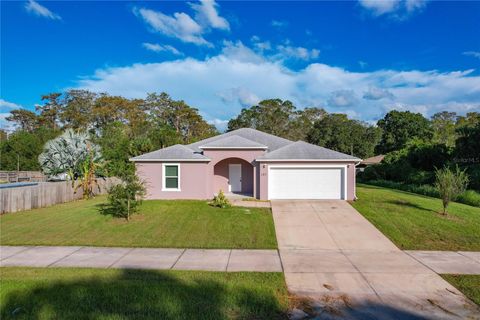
<point>31,293</point>
<point>413,221</point>
<point>162,223</point>
<point>468,284</point>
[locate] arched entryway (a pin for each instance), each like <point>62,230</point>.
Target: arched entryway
<point>233,175</point>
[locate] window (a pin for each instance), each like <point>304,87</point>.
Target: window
<point>171,177</point>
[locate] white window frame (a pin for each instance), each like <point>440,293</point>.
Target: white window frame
<point>344,168</point>
<point>164,177</point>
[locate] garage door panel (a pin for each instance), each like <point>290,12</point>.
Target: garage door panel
<point>306,183</point>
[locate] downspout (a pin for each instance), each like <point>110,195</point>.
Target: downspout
<point>355,193</point>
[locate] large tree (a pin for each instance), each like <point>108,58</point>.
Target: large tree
<point>337,132</point>
<point>24,120</point>
<point>400,127</point>
<point>443,126</point>
<point>277,117</point>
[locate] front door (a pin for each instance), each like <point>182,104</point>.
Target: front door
<point>235,177</point>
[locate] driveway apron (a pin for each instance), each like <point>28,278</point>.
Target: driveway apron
<point>347,269</point>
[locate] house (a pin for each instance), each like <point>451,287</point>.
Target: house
<point>248,162</point>
<point>369,162</point>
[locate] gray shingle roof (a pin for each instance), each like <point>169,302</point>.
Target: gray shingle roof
<point>301,150</point>
<point>176,152</point>
<point>233,141</point>
<point>269,140</point>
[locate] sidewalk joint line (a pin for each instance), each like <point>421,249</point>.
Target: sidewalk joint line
<point>176,261</point>
<point>131,249</point>
<point>68,255</point>
<point>468,257</point>
<point>26,248</point>
<point>228,261</point>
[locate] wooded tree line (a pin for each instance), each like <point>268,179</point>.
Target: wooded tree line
<point>413,144</point>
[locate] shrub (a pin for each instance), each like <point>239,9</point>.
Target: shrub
<point>450,184</point>
<point>125,198</point>
<point>220,201</point>
<point>469,197</point>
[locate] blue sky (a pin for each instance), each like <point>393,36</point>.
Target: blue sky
<point>362,58</point>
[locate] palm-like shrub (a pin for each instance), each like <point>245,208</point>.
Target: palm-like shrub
<point>220,201</point>
<point>75,155</point>
<point>125,198</point>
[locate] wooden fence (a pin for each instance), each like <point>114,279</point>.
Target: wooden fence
<point>22,176</point>
<point>45,194</point>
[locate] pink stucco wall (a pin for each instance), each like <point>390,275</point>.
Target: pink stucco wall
<point>194,180</point>
<point>221,175</point>
<point>264,176</point>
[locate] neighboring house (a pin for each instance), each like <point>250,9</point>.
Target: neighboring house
<point>249,162</point>
<point>369,162</point>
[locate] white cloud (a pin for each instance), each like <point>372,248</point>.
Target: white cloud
<point>279,24</point>
<point>221,85</point>
<point>397,9</point>
<point>291,52</point>
<point>7,105</point>
<point>41,11</point>
<point>180,25</point>
<point>155,47</point>
<point>342,98</point>
<point>475,54</point>
<point>206,14</point>
<point>259,44</point>
<point>374,93</point>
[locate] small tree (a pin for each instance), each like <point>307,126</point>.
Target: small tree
<point>450,184</point>
<point>125,198</point>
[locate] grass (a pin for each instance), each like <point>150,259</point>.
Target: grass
<point>162,223</point>
<point>34,293</point>
<point>413,221</point>
<point>468,284</point>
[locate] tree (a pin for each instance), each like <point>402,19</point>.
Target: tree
<point>337,132</point>
<point>450,184</point>
<point>49,111</point>
<point>22,149</point>
<point>25,120</point>
<point>125,198</point>
<point>399,127</point>
<point>443,126</point>
<point>67,154</point>
<point>77,108</point>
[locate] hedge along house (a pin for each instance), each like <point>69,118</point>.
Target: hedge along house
<point>248,162</point>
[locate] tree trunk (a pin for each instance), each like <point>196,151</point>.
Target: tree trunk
<point>128,209</point>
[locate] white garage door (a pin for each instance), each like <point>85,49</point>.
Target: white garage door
<point>305,183</point>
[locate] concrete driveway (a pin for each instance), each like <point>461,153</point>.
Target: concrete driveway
<point>333,255</point>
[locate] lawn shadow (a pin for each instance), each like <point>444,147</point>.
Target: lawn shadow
<point>140,294</point>
<point>405,203</point>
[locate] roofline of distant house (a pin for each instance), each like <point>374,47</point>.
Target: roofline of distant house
<point>254,148</point>
<point>307,160</point>
<point>170,160</point>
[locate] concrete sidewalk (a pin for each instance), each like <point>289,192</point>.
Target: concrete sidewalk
<point>332,255</point>
<point>448,262</point>
<point>142,258</point>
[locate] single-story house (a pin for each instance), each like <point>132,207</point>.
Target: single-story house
<point>369,162</point>
<point>248,162</point>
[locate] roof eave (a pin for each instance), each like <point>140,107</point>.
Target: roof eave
<point>233,148</point>
<point>307,160</point>
<point>169,160</point>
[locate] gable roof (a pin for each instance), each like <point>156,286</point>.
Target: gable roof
<point>233,142</point>
<point>277,148</point>
<point>176,152</point>
<point>266,139</point>
<point>301,150</point>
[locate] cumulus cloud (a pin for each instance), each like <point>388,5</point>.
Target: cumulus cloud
<point>41,11</point>
<point>245,97</point>
<point>374,93</point>
<point>342,98</point>
<point>5,108</point>
<point>398,9</point>
<point>221,85</point>
<point>155,47</point>
<point>206,13</point>
<point>301,53</point>
<point>475,54</point>
<point>180,25</point>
